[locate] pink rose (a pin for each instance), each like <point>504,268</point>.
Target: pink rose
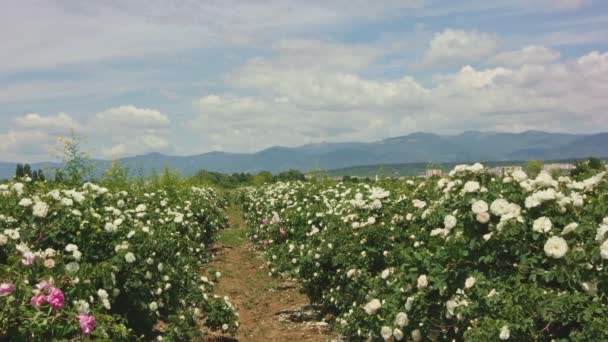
<point>87,323</point>
<point>264,220</point>
<point>6,289</point>
<point>43,285</point>
<point>282,232</point>
<point>37,301</point>
<point>266,242</point>
<point>55,298</point>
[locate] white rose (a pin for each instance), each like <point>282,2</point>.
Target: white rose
<point>556,247</point>
<point>422,282</point>
<point>542,225</point>
<point>469,282</point>
<point>373,306</point>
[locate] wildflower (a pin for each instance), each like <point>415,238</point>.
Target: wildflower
<point>556,247</point>
<point>87,323</point>
<point>6,289</point>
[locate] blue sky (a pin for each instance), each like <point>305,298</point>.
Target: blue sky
<point>186,77</point>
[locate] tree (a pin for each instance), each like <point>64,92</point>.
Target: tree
<point>27,170</point>
<point>263,178</point>
<point>34,176</point>
<point>41,176</point>
<point>291,175</point>
<point>77,164</point>
<point>533,167</point>
<point>19,171</point>
<point>587,168</point>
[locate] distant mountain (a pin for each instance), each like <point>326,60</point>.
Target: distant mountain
<point>417,147</point>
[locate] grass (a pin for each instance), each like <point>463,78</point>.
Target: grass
<point>236,234</point>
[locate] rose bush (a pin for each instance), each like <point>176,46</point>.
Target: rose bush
<point>116,265</point>
<point>470,256</point>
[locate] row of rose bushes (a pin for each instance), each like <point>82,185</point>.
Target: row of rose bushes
<point>470,256</point>
<point>114,265</point>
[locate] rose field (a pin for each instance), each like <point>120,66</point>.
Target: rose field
<point>122,264</point>
<point>470,256</point>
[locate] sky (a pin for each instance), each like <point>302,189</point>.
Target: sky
<point>188,77</point>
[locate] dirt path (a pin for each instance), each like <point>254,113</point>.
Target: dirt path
<point>269,309</point>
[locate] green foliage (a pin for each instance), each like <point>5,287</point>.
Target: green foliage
<point>237,180</point>
<point>431,251</point>
<point>19,173</point>
<point>533,167</point>
<point>262,177</point>
<point>77,165</point>
<point>143,245</point>
<point>587,167</point>
<point>116,176</point>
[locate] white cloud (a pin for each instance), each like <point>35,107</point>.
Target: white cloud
<point>75,32</point>
<point>117,132</point>
<point>59,124</point>
<point>26,145</point>
<point>292,106</point>
<point>130,117</point>
<point>458,46</point>
<point>531,54</point>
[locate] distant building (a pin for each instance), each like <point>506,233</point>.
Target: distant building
<point>559,167</point>
<point>503,170</point>
<point>432,172</point>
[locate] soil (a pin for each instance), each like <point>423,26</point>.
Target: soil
<point>270,309</point>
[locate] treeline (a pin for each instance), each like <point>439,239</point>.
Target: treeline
<point>25,170</point>
<point>235,180</point>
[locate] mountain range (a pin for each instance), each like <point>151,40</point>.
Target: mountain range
<point>418,147</point>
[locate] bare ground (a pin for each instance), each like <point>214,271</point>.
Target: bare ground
<point>270,309</point>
